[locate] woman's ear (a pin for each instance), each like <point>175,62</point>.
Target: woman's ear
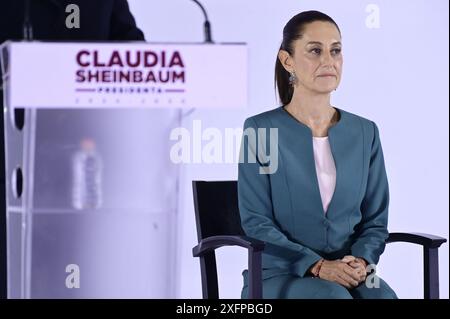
<point>286,60</point>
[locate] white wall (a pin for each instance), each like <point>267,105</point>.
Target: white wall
<point>396,75</point>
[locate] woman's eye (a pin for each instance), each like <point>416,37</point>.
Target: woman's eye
<point>316,51</point>
<point>336,51</point>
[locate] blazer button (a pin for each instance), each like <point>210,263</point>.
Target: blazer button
<point>326,222</point>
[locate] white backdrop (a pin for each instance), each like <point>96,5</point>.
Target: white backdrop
<point>395,73</point>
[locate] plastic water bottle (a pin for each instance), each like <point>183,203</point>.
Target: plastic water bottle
<point>87,177</point>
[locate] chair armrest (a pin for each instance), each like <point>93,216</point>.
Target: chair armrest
<point>214,242</point>
<point>426,240</point>
<point>430,245</point>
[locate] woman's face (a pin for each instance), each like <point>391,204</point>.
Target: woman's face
<point>317,58</point>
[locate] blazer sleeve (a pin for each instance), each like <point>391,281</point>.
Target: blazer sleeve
<point>123,25</point>
<point>256,210</point>
<point>372,232</point>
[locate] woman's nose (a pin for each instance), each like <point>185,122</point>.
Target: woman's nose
<point>327,59</point>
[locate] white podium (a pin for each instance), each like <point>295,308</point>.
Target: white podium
<point>92,193</point>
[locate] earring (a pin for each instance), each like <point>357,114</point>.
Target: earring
<point>293,78</point>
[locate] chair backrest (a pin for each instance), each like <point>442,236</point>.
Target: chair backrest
<point>216,208</point>
<point>216,214</point>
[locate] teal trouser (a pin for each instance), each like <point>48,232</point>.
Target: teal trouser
<point>291,287</point>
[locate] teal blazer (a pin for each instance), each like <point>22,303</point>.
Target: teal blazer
<point>284,208</point>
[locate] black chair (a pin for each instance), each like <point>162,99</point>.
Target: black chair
<point>219,224</point>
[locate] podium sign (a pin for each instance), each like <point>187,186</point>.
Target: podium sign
<point>86,75</point>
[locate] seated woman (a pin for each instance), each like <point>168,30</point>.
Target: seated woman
<point>320,204</point>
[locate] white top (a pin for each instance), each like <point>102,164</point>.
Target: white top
<point>325,168</point>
